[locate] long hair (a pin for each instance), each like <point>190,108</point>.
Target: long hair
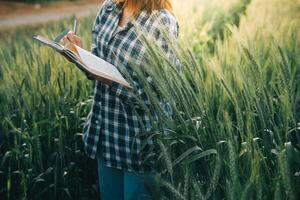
<point>147,5</point>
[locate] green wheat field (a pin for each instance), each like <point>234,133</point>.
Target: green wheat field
<point>236,127</point>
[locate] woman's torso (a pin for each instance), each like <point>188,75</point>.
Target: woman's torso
<point>114,120</point>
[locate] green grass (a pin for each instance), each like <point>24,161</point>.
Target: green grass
<point>235,133</point>
<point>241,100</point>
<point>43,104</point>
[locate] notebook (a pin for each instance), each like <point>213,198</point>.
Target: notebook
<point>86,61</point>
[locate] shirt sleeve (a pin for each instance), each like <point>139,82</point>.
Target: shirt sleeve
<point>166,26</point>
<point>95,29</point>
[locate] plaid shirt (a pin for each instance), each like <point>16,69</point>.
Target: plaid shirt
<point>115,119</point>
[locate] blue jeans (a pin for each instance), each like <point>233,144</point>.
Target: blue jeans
<point>116,184</point>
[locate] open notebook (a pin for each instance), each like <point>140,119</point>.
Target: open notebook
<point>86,61</point>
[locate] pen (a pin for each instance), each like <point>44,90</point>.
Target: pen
<point>75,25</point>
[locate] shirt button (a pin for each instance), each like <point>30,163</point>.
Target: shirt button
<point>110,8</point>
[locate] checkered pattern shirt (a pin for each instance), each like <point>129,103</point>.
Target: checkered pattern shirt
<point>115,123</point>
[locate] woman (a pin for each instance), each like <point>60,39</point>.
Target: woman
<point>114,132</point>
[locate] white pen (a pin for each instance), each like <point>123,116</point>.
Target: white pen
<point>75,25</point>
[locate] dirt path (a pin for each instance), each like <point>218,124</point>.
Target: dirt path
<point>20,14</point>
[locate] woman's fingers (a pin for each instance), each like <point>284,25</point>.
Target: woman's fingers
<point>77,40</point>
<point>72,38</point>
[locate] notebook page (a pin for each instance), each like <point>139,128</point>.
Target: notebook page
<point>48,42</point>
<point>99,64</point>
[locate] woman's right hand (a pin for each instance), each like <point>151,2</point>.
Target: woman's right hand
<point>72,38</point>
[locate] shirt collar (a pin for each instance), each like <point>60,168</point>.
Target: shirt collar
<point>116,8</point>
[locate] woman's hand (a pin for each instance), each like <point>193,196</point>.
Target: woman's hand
<point>72,38</point>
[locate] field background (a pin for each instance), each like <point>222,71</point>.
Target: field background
<point>236,131</point>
